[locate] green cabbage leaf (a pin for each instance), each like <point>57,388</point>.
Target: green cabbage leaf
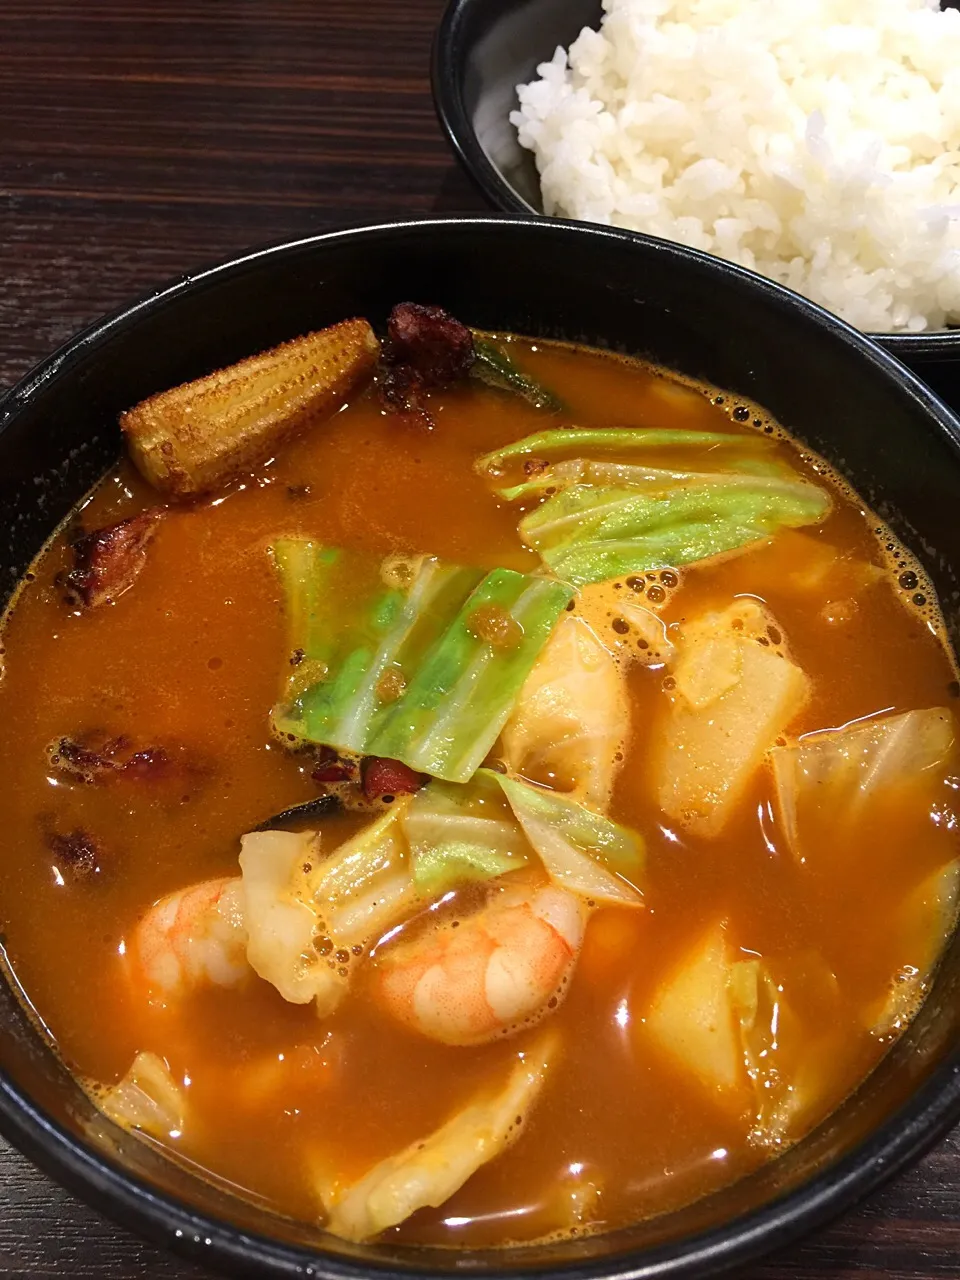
<point>393,664</point>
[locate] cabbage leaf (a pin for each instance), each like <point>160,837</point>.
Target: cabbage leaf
<point>147,1099</point>
<point>462,832</point>
<point>734,695</point>
<point>572,718</point>
<point>433,1167</point>
<point>692,495</point>
<point>590,534</point>
<point>582,851</point>
<point>790,1062</point>
<point>587,441</point>
<point>631,475</point>
<point>842,771</point>
<point>306,913</point>
<point>928,918</point>
<point>402,673</point>
<point>309,916</point>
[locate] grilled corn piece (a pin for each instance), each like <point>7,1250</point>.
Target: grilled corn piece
<point>198,436</point>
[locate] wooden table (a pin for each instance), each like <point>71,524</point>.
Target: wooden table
<point>139,141</point>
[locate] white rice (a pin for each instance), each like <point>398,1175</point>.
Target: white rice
<point>815,141</point>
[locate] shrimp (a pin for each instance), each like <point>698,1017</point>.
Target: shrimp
<point>194,936</point>
<point>469,981</point>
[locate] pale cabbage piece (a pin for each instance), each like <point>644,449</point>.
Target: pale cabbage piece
<point>582,851</point>
<point>842,770</point>
<point>571,1202</point>
<point>431,1169</point>
<point>279,924</point>
<point>459,832</point>
<point>365,886</point>
<point>784,1058</point>
<point>732,1023</point>
<point>934,904</point>
<point>147,1099</point>
<point>572,717</point>
<point>297,903</point>
<point>459,688</point>
<point>718,730</point>
<point>693,1017</point>
<point>793,1109</point>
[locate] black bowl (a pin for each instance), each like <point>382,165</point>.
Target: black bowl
<point>840,393</point>
<point>484,48</point>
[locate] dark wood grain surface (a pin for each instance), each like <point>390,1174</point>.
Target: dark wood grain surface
<point>141,140</point>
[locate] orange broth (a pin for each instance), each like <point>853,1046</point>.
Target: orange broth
<point>193,656</point>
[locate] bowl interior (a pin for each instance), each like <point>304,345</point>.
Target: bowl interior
<point>841,395</point>
<point>493,46</point>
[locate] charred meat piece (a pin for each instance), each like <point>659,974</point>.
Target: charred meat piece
<point>402,390</point>
<point>201,435</point>
<point>431,341</point>
<point>331,767</point>
<point>426,347</point>
<point>97,759</point>
<point>107,562</point>
<point>389,778</point>
<point>77,853</point>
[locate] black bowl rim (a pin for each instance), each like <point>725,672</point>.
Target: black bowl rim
<point>446,81</point>
<point>926,1116</point>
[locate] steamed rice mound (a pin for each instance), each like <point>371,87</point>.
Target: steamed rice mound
<point>816,142</point>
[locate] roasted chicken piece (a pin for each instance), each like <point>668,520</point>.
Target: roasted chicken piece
<point>198,436</point>
<point>107,562</point>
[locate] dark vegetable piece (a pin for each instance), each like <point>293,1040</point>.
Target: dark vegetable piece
<point>107,562</point>
<point>383,777</point>
<point>77,853</point>
<point>493,366</point>
<point>321,807</point>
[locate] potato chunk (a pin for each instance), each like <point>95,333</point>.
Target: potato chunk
<point>196,437</point>
<point>692,1017</point>
<point>736,691</point>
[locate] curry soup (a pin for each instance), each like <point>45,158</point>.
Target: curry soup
<point>684,964</point>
